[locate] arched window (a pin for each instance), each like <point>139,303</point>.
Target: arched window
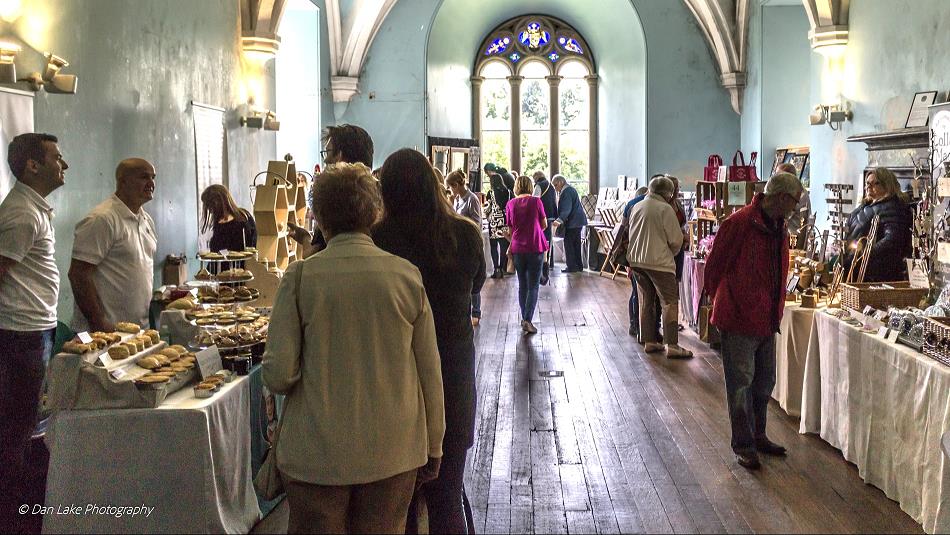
<point>535,100</point>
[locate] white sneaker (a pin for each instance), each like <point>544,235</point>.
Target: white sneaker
<point>530,328</point>
<point>677,352</point>
<point>653,347</point>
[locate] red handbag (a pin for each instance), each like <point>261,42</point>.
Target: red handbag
<point>739,171</point>
<point>711,171</point>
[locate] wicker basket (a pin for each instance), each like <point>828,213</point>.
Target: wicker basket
<point>856,296</point>
<point>937,339</point>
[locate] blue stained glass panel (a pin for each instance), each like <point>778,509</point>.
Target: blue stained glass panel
<point>497,46</point>
<point>534,36</point>
<point>514,57</point>
<point>570,44</point>
<point>553,56</point>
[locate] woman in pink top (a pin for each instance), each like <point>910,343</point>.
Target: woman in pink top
<point>526,218</point>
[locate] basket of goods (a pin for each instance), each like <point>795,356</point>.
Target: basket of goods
<point>937,339</point>
<point>881,295</point>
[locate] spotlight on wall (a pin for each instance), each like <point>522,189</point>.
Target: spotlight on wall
<point>56,82</point>
<point>8,52</point>
<point>252,121</point>
<point>832,115</point>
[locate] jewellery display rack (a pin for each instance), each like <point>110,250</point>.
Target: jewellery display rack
<point>836,209</point>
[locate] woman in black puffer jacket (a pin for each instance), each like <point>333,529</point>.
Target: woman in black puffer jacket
<point>892,244</point>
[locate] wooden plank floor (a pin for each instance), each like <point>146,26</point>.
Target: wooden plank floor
<point>627,442</point>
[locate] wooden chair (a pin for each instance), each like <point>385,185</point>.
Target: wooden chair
<point>608,268</point>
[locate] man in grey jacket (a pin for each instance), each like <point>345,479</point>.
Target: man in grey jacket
<point>655,238</point>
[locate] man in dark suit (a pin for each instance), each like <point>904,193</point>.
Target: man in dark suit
<point>571,214</point>
<point>548,195</point>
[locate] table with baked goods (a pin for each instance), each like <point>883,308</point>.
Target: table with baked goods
<point>885,406</point>
<point>791,349</point>
<point>186,462</point>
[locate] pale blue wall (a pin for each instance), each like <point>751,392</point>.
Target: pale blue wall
<point>896,48</point>
<point>611,29</point>
<point>777,99</point>
<point>751,121</point>
<point>688,114</point>
<point>139,66</point>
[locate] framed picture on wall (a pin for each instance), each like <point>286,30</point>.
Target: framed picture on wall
<point>800,161</point>
<point>919,114</point>
<point>779,159</point>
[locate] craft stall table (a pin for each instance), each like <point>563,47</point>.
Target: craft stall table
<point>791,350</point>
<point>884,405</point>
<point>189,460</point>
<point>691,289</point>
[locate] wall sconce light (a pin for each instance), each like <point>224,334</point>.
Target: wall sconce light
<point>265,119</point>
<point>56,82</point>
<point>832,115</point>
<point>51,79</point>
<point>8,52</point>
<point>829,41</point>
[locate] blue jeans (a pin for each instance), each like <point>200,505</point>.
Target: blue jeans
<point>23,357</point>
<point>528,268</point>
<point>748,364</point>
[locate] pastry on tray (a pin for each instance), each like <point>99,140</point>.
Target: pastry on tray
<point>77,348</point>
<point>149,363</point>
<point>153,334</point>
<point>183,303</point>
<point>128,327</point>
<point>179,348</point>
<point>119,352</point>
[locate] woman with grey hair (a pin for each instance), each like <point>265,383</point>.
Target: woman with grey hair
<point>353,347</point>
<point>655,239</point>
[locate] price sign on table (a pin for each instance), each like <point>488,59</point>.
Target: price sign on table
<point>209,361</point>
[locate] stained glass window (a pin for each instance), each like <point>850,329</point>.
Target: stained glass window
<point>570,44</point>
<point>534,48</point>
<point>495,109</point>
<point>498,46</point>
<point>574,127</point>
<point>534,36</point>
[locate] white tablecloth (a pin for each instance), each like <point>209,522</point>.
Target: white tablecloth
<point>791,348</point>
<point>886,407</point>
<point>189,459</point>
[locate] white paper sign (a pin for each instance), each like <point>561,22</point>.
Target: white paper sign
<point>943,252</point>
<point>916,274</point>
<point>883,332</point>
<point>84,337</point>
<point>105,359</point>
<point>892,337</point>
<point>209,361</point>
<point>118,374</point>
<point>737,192</point>
<point>943,186</point>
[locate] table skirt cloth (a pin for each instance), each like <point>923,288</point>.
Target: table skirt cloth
<point>189,460</point>
<point>886,407</point>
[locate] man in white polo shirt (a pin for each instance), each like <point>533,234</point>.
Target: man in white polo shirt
<point>29,288</point>
<point>111,270</point>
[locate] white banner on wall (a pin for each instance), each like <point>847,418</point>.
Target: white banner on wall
<point>210,154</point>
<point>16,117</point>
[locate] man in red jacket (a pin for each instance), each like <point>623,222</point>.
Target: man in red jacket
<point>745,277</point>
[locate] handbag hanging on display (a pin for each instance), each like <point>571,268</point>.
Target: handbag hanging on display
<point>739,171</point>
<point>711,171</point>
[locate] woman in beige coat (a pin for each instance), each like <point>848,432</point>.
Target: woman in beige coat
<point>352,344</point>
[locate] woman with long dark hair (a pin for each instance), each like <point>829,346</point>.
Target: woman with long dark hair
<point>498,230</point>
<point>419,225</point>
<point>232,228</point>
